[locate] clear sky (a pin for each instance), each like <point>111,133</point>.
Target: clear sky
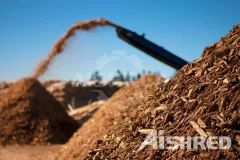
<point>29,28</point>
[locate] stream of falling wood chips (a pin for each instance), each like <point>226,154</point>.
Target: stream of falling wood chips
<point>61,43</point>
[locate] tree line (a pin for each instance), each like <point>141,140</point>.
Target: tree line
<point>119,76</point>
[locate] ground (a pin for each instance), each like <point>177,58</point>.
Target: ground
<point>16,152</point>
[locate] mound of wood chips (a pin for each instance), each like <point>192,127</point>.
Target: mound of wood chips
<point>109,116</point>
<point>31,115</point>
<point>201,100</point>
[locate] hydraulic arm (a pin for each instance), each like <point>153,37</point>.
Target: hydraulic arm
<point>150,48</point>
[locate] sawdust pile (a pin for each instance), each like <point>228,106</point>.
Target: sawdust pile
<point>202,99</point>
<point>30,115</point>
<point>61,43</point>
<point>109,116</point>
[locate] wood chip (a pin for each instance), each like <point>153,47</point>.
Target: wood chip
<point>145,131</point>
<point>201,123</point>
<point>198,129</point>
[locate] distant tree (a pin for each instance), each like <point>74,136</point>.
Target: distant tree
<point>115,78</point>
<point>133,78</point>
<point>143,72</point>
<point>96,76</point>
<point>119,76</point>
<point>139,75</point>
<point>128,77</point>
<point>157,73</point>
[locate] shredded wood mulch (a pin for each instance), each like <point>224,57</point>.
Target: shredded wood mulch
<point>31,115</point>
<point>108,116</point>
<point>201,100</point>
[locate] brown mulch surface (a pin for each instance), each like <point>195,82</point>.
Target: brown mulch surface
<point>108,116</point>
<point>30,115</point>
<point>202,99</point>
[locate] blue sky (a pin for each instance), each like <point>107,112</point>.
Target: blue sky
<point>29,29</point>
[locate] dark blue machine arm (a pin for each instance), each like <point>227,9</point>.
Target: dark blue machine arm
<point>150,48</point>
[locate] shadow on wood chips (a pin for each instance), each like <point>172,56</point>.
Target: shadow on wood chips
<point>30,115</point>
<point>204,93</point>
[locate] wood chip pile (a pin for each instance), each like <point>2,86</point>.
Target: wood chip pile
<point>109,116</point>
<point>201,100</point>
<point>30,115</point>
<point>5,85</point>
